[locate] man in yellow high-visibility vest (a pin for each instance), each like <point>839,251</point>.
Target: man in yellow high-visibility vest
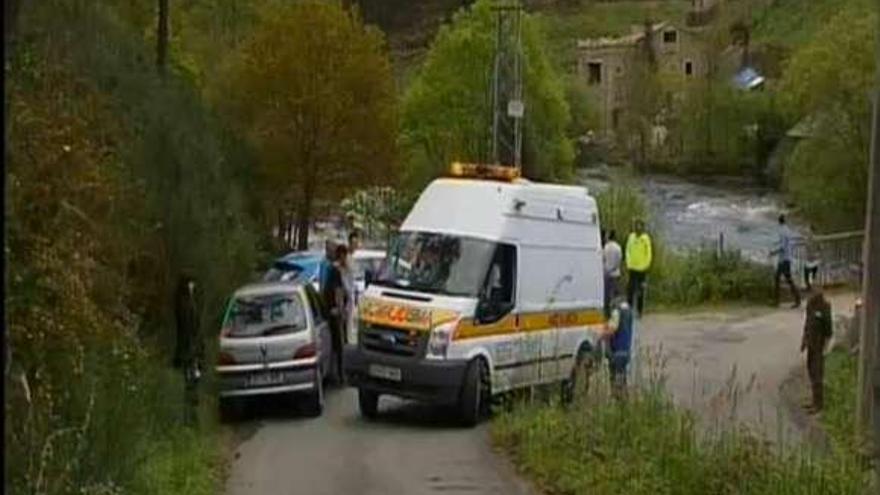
<point>638,262</point>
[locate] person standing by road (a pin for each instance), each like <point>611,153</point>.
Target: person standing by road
<point>352,276</point>
<point>189,350</point>
<point>817,333</point>
<point>334,295</point>
<point>638,262</point>
<point>612,255</point>
<point>785,254</point>
<point>620,327</point>
<point>811,266</point>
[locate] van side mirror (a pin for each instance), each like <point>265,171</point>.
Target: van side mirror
<point>368,278</point>
<point>490,311</point>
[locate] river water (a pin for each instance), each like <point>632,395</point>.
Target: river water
<point>688,214</point>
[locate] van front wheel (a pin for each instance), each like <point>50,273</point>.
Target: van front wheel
<point>473,405</point>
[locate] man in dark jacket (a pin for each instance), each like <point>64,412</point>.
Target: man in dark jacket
<point>620,326</point>
<point>817,333</point>
<point>189,350</point>
<point>334,294</point>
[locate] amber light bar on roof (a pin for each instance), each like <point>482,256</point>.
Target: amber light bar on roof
<point>483,171</point>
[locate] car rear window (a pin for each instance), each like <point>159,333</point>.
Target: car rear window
<point>266,315</point>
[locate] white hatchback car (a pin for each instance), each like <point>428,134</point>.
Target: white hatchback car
<point>274,340</point>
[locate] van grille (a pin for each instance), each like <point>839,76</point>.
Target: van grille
<point>391,340</point>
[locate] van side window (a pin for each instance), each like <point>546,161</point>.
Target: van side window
<point>499,290</point>
<point>315,304</point>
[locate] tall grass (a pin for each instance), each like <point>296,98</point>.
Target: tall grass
<point>841,382</point>
<point>646,445</point>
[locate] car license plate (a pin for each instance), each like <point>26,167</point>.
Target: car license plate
<point>385,372</point>
<point>265,379</point>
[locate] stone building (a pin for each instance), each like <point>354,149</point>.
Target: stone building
<point>607,64</point>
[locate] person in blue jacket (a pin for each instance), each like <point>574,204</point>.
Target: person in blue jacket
<point>620,326</point>
<point>326,263</point>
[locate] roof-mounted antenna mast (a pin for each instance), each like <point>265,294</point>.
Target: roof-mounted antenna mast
<point>507,91</point>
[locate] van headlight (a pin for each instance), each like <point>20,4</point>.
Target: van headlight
<point>439,341</point>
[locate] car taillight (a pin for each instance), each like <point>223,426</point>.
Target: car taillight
<point>306,351</point>
<point>224,358</point>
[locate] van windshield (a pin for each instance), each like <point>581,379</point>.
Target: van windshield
<point>437,263</point>
<point>266,315</point>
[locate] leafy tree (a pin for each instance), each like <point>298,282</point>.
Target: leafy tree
<point>311,89</point>
<point>827,84</point>
<point>447,110</point>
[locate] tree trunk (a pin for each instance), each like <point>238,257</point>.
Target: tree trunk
<point>289,229</point>
<point>280,232</point>
<point>304,216</point>
<point>162,37</point>
<point>11,9</point>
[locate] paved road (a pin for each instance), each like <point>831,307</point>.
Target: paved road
<point>410,450</point>
<point>732,363</point>
<point>717,363</point>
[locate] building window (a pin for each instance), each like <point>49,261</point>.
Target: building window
<point>689,68</point>
<point>670,36</point>
<point>595,72</point>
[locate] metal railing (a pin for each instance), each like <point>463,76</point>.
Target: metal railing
<point>839,256</point>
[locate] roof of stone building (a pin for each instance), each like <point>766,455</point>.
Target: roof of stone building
<point>629,39</point>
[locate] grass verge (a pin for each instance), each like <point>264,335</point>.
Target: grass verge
<point>646,445</point>
<point>191,463</point>
<point>841,380</point>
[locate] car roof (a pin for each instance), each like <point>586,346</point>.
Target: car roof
<point>299,255</point>
<point>266,288</point>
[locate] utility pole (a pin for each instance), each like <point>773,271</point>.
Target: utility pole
<point>507,93</point>
<point>869,369</point>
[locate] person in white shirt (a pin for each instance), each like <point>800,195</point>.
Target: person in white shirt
<point>612,256</point>
<point>350,280</point>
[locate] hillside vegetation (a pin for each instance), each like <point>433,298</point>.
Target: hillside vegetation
<point>122,175</point>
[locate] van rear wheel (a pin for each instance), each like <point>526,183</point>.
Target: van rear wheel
<point>580,376</point>
<point>368,401</point>
<point>473,405</point>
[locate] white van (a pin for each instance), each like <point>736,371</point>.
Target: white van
<point>493,283</point>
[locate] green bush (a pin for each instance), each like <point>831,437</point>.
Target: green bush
<point>707,276</point>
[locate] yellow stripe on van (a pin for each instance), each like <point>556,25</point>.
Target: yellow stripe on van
<point>467,329</point>
<point>403,316</point>
<point>530,322</point>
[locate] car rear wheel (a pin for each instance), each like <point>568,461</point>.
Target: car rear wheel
<point>231,409</point>
<point>314,405</point>
<point>473,405</point>
<point>368,401</point>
